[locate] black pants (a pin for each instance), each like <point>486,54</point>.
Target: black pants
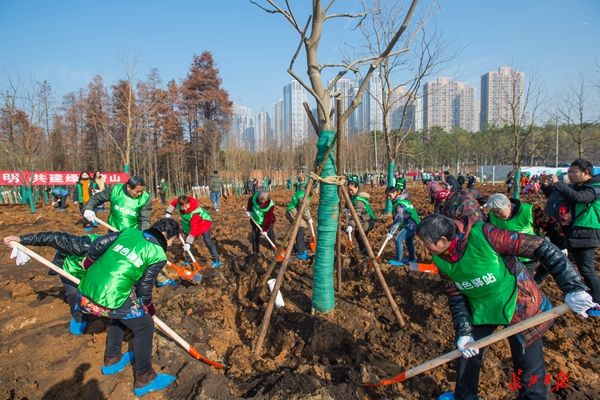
<point>256,234</point>
<point>71,295</point>
<point>210,245</point>
<point>529,362</point>
<point>367,228</point>
<point>163,197</point>
<point>143,331</point>
<point>300,245</point>
<point>584,258</point>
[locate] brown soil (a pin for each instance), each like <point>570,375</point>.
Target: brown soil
<point>306,356</point>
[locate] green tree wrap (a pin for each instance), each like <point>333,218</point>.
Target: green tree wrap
<point>323,296</point>
<point>391,182</point>
<point>517,184</point>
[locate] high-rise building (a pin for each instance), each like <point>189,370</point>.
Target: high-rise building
<point>448,104</point>
<point>295,120</point>
<point>345,88</point>
<point>437,104</point>
<point>240,122</point>
<point>502,92</point>
<point>466,107</point>
<point>262,131</point>
<point>370,114</point>
<point>278,123</point>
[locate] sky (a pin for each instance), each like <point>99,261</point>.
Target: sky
<point>67,42</point>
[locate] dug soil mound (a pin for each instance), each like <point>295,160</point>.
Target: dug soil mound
<point>305,356</point>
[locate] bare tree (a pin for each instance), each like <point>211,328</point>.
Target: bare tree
<point>310,34</point>
<point>573,113</point>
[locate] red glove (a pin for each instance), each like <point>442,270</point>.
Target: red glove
<point>87,263</point>
<point>150,309</point>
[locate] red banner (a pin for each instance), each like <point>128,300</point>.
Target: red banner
<point>54,178</point>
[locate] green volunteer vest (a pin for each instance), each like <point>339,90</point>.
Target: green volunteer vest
<point>401,184</point>
<point>125,210</point>
<point>296,199</point>
<point>368,207</point>
<point>258,213</point>
<point>407,205</point>
<point>187,218</point>
<point>521,222</point>
<point>483,278</point>
<point>111,278</point>
<point>587,215</point>
<point>72,263</point>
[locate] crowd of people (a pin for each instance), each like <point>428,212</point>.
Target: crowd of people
<point>492,255</point>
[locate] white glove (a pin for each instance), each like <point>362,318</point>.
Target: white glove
<point>249,214</point>
<point>580,302</point>
<point>565,252</point>
<point>167,215</point>
<point>186,247</point>
<point>263,233</point>
<point>389,236</point>
<point>21,258</point>
<point>310,221</point>
<point>461,344</point>
<point>349,229</point>
<point>89,215</point>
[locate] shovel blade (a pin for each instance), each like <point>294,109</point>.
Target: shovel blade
<point>281,255</point>
<point>198,267</point>
<point>423,267</point>
<point>313,246</point>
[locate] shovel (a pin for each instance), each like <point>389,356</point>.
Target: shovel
<point>387,239</point>
<point>422,267</point>
<point>313,244</point>
<point>264,234</point>
<point>195,264</point>
<point>486,341</point>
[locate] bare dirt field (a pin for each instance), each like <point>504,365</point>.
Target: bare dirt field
<point>306,356</point>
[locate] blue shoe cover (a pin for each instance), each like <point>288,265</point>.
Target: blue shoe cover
<point>594,312</point>
<point>396,263</point>
<point>168,282</point>
<point>446,396</point>
<point>77,328</point>
<point>126,359</point>
<point>159,383</point>
<point>87,228</point>
<point>216,264</point>
<point>303,256</point>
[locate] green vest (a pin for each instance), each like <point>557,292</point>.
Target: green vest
<point>187,218</point>
<point>401,184</point>
<point>483,278</point>
<point>72,263</point>
<point>125,210</point>
<point>408,207</point>
<point>521,222</point>
<point>111,278</point>
<point>258,214</point>
<point>587,215</point>
<point>296,199</point>
<point>368,207</point>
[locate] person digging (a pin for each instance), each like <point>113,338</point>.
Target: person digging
<point>488,286</point>
<point>366,215</point>
<point>261,209</point>
<point>70,252</point>
<point>121,270</point>
<point>195,221</point>
<point>291,212</point>
<point>403,226</point>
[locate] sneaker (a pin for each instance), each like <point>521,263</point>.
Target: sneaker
<point>150,382</point>
<point>77,328</point>
<point>216,264</point>
<point>117,364</point>
<point>405,260</point>
<point>303,256</point>
<point>396,263</point>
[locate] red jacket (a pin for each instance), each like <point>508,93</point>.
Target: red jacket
<point>197,225</point>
